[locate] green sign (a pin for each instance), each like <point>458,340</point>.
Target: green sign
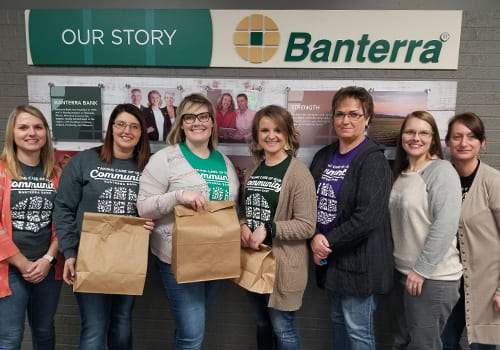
<point>120,37</point>
<point>76,112</point>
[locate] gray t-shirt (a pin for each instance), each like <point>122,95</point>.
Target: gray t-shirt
<point>32,202</point>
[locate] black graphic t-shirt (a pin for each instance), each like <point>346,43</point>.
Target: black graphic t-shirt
<point>262,194</point>
<point>32,203</point>
<point>89,185</point>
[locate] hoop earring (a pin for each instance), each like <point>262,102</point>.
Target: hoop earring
<point>286,147</point>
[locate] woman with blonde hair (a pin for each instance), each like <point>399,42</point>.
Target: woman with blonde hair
<point>424,205</point>
<point>279,211</point>
<point>188,171</point>
<point>158,122</point>
<point>29,281</point>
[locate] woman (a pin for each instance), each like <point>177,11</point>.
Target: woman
<point>28,279</point>
<point>179,174</point>
<point>353,236</point>
<point>279,211</point>
<point>479,238</point>
<point>424,207</point>
<point>226,114</point>
<point>91,181</point>
<point>169,108</point>
<point>157,120</point>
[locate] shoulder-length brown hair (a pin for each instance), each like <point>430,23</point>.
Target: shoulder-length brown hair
<point>142,151</point>
<point>9,154</point>
<point>401,161</point>
<point>190,102</point>
<point>219,102</point>
<point>284,121</point>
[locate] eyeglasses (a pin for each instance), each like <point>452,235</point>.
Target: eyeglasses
<point>350,115</point>
<point>191,118</point>
<point>425,134</point>
<point>122,126</point>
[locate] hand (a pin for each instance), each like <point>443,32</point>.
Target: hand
<point>149,225</point>
<point>69,273</point>
<point>320,246</point>
<point>37,271</point>
<point>496,302</point>
<point>317,260</point>
<point>245,234</point>
<point>257,237</point>
<point>194,199</point>
<point>150,129</point>
<point>414,283</point>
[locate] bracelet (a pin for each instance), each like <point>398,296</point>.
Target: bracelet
<point>50,258</point>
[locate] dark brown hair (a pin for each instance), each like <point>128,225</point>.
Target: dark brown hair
<point>357,93</point>
<point>471,121</point>
<point>142,151</point>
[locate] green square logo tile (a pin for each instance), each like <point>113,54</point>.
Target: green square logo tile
<point>256,38</point>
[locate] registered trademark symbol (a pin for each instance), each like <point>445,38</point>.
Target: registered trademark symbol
<point>445,36</point>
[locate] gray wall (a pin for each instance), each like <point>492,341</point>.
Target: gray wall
<point>229,324</point>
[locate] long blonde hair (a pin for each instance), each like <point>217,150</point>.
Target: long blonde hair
<point>9,154</point>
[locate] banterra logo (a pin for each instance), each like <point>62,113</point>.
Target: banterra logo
<point>256,38</point>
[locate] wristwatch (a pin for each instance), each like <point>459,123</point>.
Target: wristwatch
<point>50,258</point>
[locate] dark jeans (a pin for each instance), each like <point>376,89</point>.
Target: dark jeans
<point>40,301</point>
<point>105,317</point>
<point>455,326</point>
<point>275,329</point>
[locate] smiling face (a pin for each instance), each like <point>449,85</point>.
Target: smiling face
<point>197,133</point>
<point>416,138</point>
<point>169,99</point>
<point>226,102</point>
<point>464,145</point>
<point>242,103</point>
<point>271,138</point>
<point>350,130</point>
<point>125,140</point>
<point>30,134</point>
<point>136,97</point>
<point>155,99</point>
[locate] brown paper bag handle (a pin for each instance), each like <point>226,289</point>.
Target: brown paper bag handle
<point>212,206</point>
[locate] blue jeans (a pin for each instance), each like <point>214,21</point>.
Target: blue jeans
<point>275,329</point>
<point>455,326</point>
<point>105,316</point>
<point>352,319</point>
<point>189,303</point>
<point>40,301</point>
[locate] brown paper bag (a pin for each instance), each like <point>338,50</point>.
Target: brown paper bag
<point>206,244</point>
<point>113,255</point>
<point>258,270</point>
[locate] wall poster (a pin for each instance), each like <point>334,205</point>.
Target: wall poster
<point>76,112</point>
<point>309,101</point>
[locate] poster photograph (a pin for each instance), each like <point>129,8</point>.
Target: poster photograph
<point>309,102</point>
